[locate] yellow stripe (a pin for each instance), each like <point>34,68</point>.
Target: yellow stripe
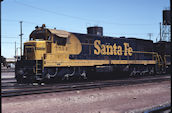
<point>96,62</point>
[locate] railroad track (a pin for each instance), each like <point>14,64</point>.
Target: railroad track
<point>160,109</point>
<point>7,70</point>
<point>19,90</point>
<point>7,81</point>
<point>3,79</point>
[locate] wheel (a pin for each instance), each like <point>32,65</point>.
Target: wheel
<point>21,80</point>
<point>50,72</point>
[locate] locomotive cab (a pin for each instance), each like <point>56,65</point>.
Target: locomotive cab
<point>42,44</point>
<point>38,45</point>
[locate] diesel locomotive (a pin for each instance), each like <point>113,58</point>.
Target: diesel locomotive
<point>58,54</point>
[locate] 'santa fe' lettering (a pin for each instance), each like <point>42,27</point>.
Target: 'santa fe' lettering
<point>112,50</point>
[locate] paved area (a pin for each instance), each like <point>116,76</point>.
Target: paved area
<point>118,99</point>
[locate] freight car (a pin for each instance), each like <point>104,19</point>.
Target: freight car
<point>57,54</point>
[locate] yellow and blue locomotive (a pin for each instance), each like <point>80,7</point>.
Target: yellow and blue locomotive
<point>52,53</point>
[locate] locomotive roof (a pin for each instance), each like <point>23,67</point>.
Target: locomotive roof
<point>59,33</point>
<point>131,38</point>
<point>65,34</point>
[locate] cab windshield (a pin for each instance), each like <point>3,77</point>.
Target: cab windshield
<point>39,35</point>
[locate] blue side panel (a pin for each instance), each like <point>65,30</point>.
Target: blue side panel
<point>87,52</point>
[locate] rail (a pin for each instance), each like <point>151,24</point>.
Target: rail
<point>160,109</point>
<point>20,90</point>
<point>8,70</point>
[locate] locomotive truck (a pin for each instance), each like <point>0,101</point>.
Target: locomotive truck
<point>58,54</point>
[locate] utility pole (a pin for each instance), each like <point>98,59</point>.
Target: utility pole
<point>0,37</point>
<point>160,32</point>
<point>0,28</point>
<point>20,38</point>
<point>15,51</point>
<point>150,34</point>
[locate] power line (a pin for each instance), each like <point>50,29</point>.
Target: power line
<point>75,17</point>
<point>9,42</point>
<point>53,27</point>
<point>12,20</point>
<point>11,37</point>
<point>112,33</point>
<point>25,21</point>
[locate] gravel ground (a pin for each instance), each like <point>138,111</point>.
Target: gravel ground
<point>7,74</point>
<point>120,99</point>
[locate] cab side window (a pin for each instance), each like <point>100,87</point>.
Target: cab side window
<point>59,40</point>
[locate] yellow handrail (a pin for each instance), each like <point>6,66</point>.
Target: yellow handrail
<point>158,57</point>
<point>165,60</point>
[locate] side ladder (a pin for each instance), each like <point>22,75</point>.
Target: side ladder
<point>160,63</point>
<point>38,69</point>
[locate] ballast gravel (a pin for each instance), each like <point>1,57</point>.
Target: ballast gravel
<point>118,99</point>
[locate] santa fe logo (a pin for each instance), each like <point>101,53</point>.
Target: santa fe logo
<point>112,50</point>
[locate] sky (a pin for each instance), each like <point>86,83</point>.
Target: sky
<point>129,18</point>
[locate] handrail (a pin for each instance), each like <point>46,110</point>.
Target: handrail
<point>165,60</point>
<point>157,57</point>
